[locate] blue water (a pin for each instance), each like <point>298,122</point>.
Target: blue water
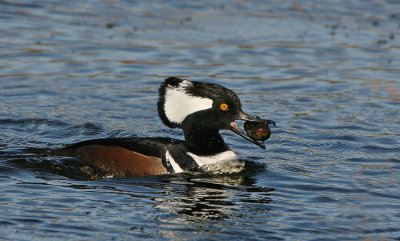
<point>326,71</point>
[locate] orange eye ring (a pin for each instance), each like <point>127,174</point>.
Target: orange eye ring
<point>224,107</point>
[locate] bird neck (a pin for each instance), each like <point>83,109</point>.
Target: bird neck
<point>204,141</point>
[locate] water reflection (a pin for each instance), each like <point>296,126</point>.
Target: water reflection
<point>199,197</point>
<point>216,198</point>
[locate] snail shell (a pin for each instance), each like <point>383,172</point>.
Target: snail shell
<point>257,131</point>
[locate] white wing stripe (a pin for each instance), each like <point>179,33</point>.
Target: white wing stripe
<point>170,160</point>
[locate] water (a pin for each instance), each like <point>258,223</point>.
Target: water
<point>326,71</point>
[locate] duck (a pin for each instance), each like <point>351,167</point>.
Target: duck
<point>200,109</point>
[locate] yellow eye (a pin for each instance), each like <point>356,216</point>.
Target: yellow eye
<point>224,107</point>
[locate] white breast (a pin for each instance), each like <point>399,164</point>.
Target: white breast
<point>207,160</point>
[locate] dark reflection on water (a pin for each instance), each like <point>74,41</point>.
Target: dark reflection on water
<point>327,72</point>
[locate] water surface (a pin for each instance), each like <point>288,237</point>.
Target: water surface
<point>327,72</point>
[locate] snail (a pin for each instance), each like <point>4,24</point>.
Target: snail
<point>258,131</point>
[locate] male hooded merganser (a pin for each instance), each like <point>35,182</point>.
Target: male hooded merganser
<point>199,109</point>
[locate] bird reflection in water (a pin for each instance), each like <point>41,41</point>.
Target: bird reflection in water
<point>212,197</point>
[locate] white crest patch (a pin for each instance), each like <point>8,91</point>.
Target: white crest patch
<point>170,160</point>
<point>179,104</point>
<point>207,160</point>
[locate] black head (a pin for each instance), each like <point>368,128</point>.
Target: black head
<point>202,106</point>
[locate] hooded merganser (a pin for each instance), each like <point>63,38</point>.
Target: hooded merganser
<point>199,109</point>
